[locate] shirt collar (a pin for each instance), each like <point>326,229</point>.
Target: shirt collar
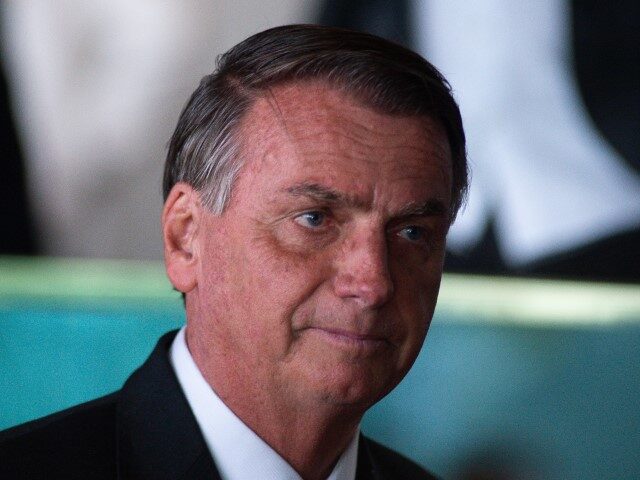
<point>238,452</point>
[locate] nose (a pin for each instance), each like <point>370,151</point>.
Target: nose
<point>362,271</point>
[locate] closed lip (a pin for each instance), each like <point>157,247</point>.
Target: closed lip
<point>349,337</point>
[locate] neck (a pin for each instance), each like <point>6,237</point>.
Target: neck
<point>311,444</point>
<point>310,436</point>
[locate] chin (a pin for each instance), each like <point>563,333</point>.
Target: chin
<point>351,387</point>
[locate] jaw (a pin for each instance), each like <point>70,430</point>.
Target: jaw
<point>337,375</point>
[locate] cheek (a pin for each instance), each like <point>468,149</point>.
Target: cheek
<point>282,279</point>
<point>416,292</point>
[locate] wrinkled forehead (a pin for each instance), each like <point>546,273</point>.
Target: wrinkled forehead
<point>314,134</point>
<point>313,116</point>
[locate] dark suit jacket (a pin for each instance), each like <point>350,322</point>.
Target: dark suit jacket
<point>144,431</point>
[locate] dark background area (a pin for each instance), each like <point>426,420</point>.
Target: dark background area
<point>15,217</point>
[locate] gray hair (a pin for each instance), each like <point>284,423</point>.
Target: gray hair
<point>384,76</point>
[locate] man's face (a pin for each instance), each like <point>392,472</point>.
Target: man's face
<point>319,280</point>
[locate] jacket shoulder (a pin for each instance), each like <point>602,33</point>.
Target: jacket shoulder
<point>394,465</point>
<point>79,442</point>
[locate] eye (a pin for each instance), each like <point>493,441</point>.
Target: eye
<point>413,233</point>
<point>312,219</point>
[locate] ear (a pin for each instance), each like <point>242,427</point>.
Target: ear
<point>180,221</point>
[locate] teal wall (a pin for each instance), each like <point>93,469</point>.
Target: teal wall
<point>539,379</point>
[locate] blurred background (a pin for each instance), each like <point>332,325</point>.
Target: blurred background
<point>549,90</point>
<point>90,92</point>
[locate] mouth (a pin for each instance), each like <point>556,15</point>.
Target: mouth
<point>351,340</point>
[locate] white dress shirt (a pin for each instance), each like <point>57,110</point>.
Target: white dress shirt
<point>239,453</point>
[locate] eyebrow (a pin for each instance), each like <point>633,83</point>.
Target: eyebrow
<point>324,194</point>
<point>431,208</point>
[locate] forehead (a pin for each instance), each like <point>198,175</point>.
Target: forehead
<point>311,132</point>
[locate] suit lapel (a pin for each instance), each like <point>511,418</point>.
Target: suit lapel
<point>158,436</point>
<point>367,468</point>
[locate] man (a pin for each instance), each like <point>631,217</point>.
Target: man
<point>309,187</point>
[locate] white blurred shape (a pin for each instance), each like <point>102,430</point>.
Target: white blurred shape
<point>98,86</point>
<point>540,168</point>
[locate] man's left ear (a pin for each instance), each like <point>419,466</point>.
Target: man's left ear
<point>180,221</point>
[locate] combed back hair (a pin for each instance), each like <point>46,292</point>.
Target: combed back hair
<point>383,76</point>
